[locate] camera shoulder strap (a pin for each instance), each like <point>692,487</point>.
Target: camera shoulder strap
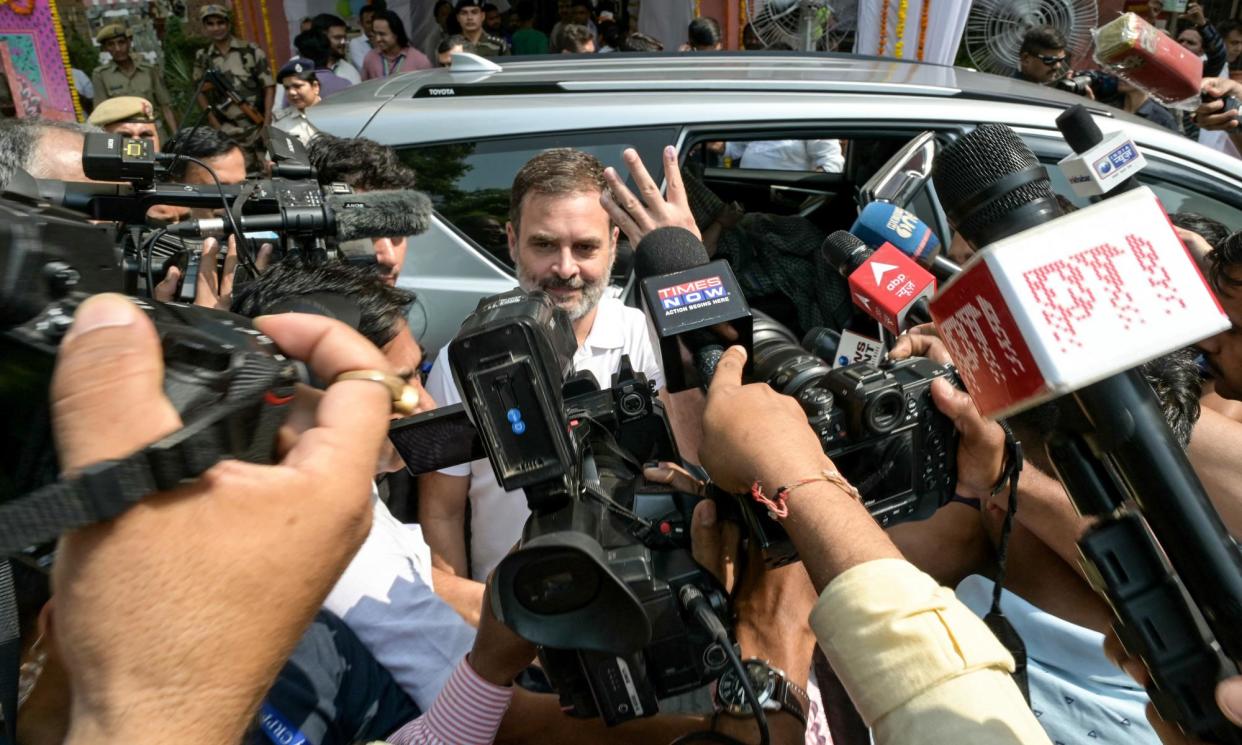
<point>243,425</point>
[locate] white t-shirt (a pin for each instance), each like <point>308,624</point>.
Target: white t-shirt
<point>344,69</point>
<point>497,516</point>
<point>385,596</point>
<point>788,155</point>
<point>358,49</point>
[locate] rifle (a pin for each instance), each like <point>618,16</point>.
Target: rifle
<point>216,81</point>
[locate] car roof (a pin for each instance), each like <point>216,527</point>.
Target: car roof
<point>510,96</point>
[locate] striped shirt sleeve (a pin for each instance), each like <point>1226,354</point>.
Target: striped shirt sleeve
<point>467,712</point>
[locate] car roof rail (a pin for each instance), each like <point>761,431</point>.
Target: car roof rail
<point>467,62</point>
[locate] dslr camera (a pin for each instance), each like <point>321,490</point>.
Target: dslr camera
<point>877,422</point>
<point>603,580</point>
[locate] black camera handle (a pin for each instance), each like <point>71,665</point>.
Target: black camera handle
<point>1112,442</point>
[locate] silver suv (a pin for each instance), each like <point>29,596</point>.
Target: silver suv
<point>467,131</point>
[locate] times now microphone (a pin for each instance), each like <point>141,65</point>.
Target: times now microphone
<point>885,283</point>
<point>881,223</point>
<point>1099,164</point>
<point>373,214</point>
<point>693,303</point>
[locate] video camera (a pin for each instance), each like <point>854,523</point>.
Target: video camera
<point>297,213</point>
<point>603,579</point>
<point>877,422</point>
<point>1103,85</point>
<point>228,382</point>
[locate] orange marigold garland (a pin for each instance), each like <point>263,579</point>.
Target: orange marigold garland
<point>883,27</point>
<point>923,20</point>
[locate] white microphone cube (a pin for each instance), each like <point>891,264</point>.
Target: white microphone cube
<point>1100,169</point>
<point>1060,306</point>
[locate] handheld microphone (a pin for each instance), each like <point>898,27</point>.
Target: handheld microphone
<point>1099,164</point>
<point>1064,305</point>
<point>1143,55</point>
<point>885,283</point>
<point>879,223</point>
<point>686,295</point>
<point>375,214</point>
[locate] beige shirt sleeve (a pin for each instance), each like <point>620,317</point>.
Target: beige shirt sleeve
<point>917,663</point>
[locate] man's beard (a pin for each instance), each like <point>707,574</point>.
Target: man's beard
<point>589,297</point>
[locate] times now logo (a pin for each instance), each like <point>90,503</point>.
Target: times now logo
<point>1063,305</point>
<point>690,293</point>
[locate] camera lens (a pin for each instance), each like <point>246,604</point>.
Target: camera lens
<point>780,361</point>
<point>557,583</point>
<point>631,404</point>
<point>885,412</point>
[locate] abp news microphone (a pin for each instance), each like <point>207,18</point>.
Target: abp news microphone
<point>885,283</point>
<point>1058,304</point>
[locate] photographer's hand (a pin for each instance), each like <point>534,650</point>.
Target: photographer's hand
<point>981,449</point>
<point>753,434</point>
<point>1211,114</point>
<point>215,288</point>
<point>1228,694</point>
<point>499,654</point>
<point>176,616</point>
<point>638,217</point>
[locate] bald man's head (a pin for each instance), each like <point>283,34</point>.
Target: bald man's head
<point>43,148</point>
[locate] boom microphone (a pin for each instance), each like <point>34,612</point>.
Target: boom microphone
<point>881,223</point>
<point>686,296</point>
<point>885,283</point>
<point>375,214</point>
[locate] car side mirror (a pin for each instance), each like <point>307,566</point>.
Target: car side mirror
<point>898,180</point>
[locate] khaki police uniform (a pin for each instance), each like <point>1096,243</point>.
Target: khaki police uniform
<point>142,80</point>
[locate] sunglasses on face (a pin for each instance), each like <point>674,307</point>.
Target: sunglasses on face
<point>1051,61</point>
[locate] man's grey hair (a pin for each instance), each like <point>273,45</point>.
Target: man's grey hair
<point>19,145</point>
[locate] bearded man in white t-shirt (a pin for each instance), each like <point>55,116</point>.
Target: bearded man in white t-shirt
<point>562,242</point>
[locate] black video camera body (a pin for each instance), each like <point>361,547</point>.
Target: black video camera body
<point>227,380</point>
<point>877,423</point>
<point>596,578</point>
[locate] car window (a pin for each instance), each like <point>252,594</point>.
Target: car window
<point>804,155</point>
<point>1174,196</point>
<point>469,182</point>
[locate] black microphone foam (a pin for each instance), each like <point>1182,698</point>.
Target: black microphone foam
<point>380,214</point>
<point>844,252</point>
<point>991,185</point>
<point>1079,128</point>
<point>668,250</point>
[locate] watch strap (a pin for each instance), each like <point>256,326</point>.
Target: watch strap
<point>792,698</point>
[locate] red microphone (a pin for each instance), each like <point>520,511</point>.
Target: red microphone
<point>888,285</point>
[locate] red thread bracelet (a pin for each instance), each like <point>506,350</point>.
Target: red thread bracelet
<point>778,507</point>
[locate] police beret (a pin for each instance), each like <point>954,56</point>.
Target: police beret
<point>112,31</point>
<point>213,10</point>
<point>296,66</point>
<point>122,109</point>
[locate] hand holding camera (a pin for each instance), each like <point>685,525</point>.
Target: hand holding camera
<point>173,561</point>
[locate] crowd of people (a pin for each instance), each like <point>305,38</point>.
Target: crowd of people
<point>328,598</point>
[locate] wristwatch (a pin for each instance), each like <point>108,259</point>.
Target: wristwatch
<point>773,689</point>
